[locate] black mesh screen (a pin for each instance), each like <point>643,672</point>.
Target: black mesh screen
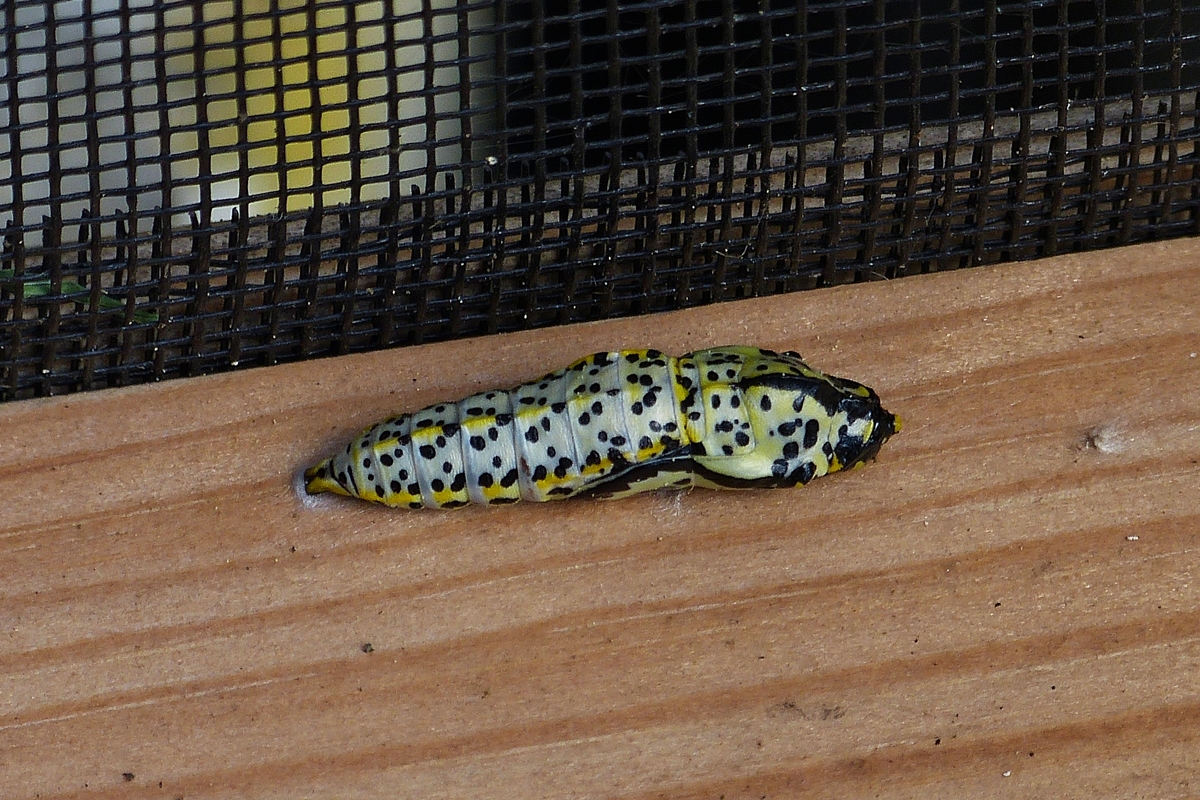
<point>194,186</point>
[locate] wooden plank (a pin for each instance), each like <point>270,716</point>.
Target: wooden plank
<point>1005,604</point>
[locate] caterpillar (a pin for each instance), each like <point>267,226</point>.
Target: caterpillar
<point>615,424</point>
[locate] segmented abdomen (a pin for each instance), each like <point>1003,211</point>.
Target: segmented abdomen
<point>539,441</point>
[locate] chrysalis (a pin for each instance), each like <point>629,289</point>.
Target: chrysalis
<point>615,424</point>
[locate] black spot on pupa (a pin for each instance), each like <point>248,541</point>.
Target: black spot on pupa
<point>539,474</point>
<point>811,429</point>
<point>477,442</point>
<point>805,472</point>
<point>791,450</point>
<point>427,451</point>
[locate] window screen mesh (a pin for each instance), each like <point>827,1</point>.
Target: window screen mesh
<point>194,186</point>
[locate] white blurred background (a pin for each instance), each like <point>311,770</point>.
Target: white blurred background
<point>167,74</point>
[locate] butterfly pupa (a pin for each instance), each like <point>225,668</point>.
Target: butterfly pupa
<point>615,424</point>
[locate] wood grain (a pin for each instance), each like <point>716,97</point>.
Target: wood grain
<point>1004,604</point>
